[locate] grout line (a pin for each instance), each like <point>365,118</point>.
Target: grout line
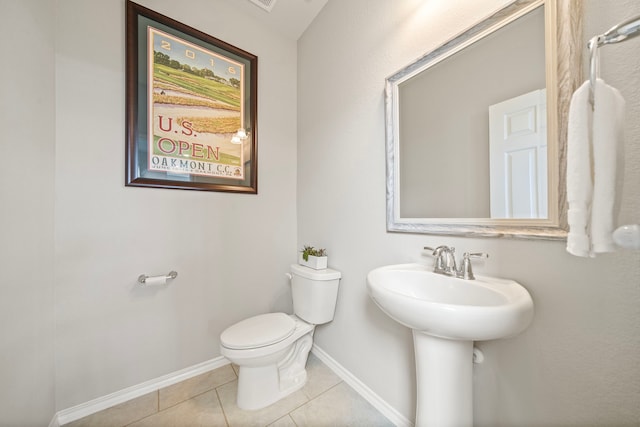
<point>310,399</point>
<point>299,406</point>
<point>224,413</point>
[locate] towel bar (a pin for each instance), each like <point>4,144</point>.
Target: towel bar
<point>621,32</point>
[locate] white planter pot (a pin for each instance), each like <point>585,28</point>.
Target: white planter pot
<point>315,262</point>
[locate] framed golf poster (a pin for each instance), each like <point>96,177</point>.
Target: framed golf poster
<point>190,108</point>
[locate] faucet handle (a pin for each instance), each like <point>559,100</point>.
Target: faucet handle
<point>476,255</point>
<point>466,270</point>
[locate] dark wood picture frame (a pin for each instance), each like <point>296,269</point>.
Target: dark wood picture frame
<point>191,108</point>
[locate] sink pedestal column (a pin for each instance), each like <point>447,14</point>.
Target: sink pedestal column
<point>444,377</point>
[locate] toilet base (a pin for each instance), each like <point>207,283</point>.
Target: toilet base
<point>261,386</point>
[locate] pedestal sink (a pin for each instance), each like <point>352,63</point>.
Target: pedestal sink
<point>447,314</point>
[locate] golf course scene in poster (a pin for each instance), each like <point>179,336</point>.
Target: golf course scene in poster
<point>195,100</point>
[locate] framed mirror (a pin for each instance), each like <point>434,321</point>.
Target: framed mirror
<point>476,129</point>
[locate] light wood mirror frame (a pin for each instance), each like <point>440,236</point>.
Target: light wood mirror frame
<point>563,51</point>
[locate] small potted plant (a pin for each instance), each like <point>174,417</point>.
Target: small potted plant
<point>313,258</point>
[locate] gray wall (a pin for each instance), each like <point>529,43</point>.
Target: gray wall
<point>27,106</point>
<point>577,364</point>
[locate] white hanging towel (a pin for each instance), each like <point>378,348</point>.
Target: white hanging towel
<point>579,184</point>
<point>593,158</point>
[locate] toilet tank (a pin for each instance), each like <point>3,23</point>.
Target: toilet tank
<point>314,293</point>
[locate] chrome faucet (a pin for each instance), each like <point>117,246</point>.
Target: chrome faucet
<point>445,262</point>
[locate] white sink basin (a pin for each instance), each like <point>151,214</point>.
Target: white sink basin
<point>447,307</point>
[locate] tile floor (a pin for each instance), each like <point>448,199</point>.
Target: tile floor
<point>209,400</point>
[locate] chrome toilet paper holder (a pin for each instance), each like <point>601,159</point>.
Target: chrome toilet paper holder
<point>171,275</point>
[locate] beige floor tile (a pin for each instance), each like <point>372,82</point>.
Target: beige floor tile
<point>319,378</point>
<point>340,406</point>
<point>187,389</point>
<point>283,422</point>
<point>122,414</point>
<point>237,417</point>
<point>201,411</point>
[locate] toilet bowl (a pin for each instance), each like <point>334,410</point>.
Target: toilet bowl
<point>271,349</point>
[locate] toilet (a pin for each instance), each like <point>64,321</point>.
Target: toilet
<point>272,349</point>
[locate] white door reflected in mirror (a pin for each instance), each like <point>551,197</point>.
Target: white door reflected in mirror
<point>518,156</point>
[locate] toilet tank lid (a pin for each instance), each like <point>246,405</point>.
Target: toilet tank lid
<point>258,331</point>
<point>310,273</point>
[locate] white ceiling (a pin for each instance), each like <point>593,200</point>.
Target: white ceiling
<point>289,17</point>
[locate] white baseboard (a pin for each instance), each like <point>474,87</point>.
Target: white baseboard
<point>96,405</point>
<point>376,401</point>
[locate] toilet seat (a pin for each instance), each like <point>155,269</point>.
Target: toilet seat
<point>258,331</point>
